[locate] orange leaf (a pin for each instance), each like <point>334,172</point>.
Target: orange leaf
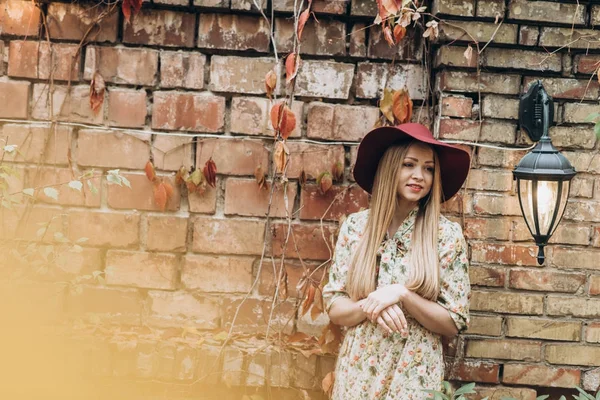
<point>386,105</point>
<point>337,171</point>
<point>391,6</point>
<point>160,196</point>
<point>150,173</point>
<point>309,299</point>
<point>298,337</point>
<point>315,311</point>
<point>260,177</point>
<point>402,106</point>
<point>399,33</point>
<point>468,54</point>
<point>210,172</point>
<point>280,156</point>
<point>387,34</point>
<point>283,119</point>
<point>270,82</point>
<point>302,178</point>
<point>127,5</point>
<point>382,13</point>
<point>324,182</point>
<point>97,88</point>
<point>292,62</point>
<point>302,21</point>
<point>328,382</point>
<point>181,175</point>
<point>168,189</point>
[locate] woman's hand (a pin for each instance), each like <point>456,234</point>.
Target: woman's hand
<point>392,320</point>
<point>381,299</point>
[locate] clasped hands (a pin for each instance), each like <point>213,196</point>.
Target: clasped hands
<point>381,307</point>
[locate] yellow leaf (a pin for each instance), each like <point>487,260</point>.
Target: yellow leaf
<point>386,104</point>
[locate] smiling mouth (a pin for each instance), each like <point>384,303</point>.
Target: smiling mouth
<point>415,187</point>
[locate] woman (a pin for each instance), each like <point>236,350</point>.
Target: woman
<point>399,278</point>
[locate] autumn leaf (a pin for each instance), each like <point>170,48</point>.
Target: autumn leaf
<point>97,88</point>
<point>128,5</point>
<point>181,175</point>
<point>270,82</point>
<point>283,119</point>
<point>280,156</point>
<point>316,310</point>
<point>160,196</point>
<point>386,105</point>
<point>292,63</point>
<point>196,183</point>
<point>168,189</point>
<point>328,382</point>
<point>387,34</point>
<point>308,299</point>
<point>337,171</point>
<point>405,19</point>
<point>399,33</point>
<point>391,6</point>
<point>302,21</point>
<point>382,13</point>
<point>259,174</point>
<point>150,172</point>
<point>402,106</point>
<point>302,178</point>
<point>432,31</point>
<point>468,54</point>
<point>324,182</point>
<point>210,172</point>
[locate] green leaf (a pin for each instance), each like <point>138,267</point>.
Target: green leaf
<point>126,182</point>
<point>76,248</point>
<point>584,394</point>
<point>113,179</point>
<point>59,237</point>
<point>592,117</point>
<point>466,389</point>
<point>51,192</point>
<point>29,191</point>
<point>597,130</point>
<point>82,240</point>
<point>77,185</point>
<point>542,397</point>
<point>92,187</point>
<point>10,148</point>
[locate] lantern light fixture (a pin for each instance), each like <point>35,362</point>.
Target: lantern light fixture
<point>543,175</point>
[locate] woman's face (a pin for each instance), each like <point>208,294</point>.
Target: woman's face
<point>416,174</point>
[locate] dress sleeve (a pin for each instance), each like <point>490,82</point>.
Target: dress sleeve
<point>455,288</point>
<point>338,271</point>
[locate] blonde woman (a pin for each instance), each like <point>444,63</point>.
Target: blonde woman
<point>399,279</point>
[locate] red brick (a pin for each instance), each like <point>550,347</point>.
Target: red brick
<point>473,371</point>
<point>104,229</point>
<point>253,316</point>
<point>583,210</point>
<point>179,309</point>
<point>205,203</point>
<point>459,203</point>
<point>410,48</point>
<point>20,18</point>
<point>500,107</point>
<point>371,78</point>
<point>182,69</point>
<point>485,325</point>
<point>318,6</point>
<point>140,269</point>
<point>486,276</point>
<point>313,159</point>
<point>58,60</point>
<point>340,122</point>
<point>141,194</point>
<point>358,41</point>
<point>592,333</point>
<point>72,106</point>
<point>233,32</point>
<point>295,271</point>
<point>201,112</point>
<point>310,241</point>
<point>566,88</point>
<point>233,156</point>
<point>573,306</point>
<point>507,302</point>
<point>71,264</point>
<point>586,63</point>
<point>490,180</point>
<point>454,56</point>
<point>333,204</point>
<point>546,12</point>
<point>112,150</point>
<point>496,204</point>
<point>42,176</point>
<point>228,236</point>
<point>548,329</point>
<point>317,38</point>
<point>573,137</point>
<point>134,66</point>
<point>504,253</point>
<point>459,129</point>
<point>457,106</point>
<point>14,95</point>
<point>546,281</point>
<point>595,285</point>
<point>244,197</point>
<point>71,21</point>
<point>205,273</point>
<point>49,218</point>
<point>166,233</point>
<point>499,158</point>
<point>127,108</point>
<point>504,349</point>
<point>573,354</point>
<point>319,78</point>
<point>461,81</point>
<point>514,59</point>
<point>31,142</point>
<point>212,3</point>
<point>239,74</point>
<point>487,228</point>
<point>363,8</point>
<point>247,5</point>
<point>172,152</point>
<point>538,375</point>
<point>503,392</point>
<point>161,27</point>
<point>564,257</point>
<point>23,59</point>
<point>111,304</point>
<point>252,116</point>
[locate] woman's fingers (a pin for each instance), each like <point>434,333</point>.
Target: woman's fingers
<point>400,315</point>
<point>384,325</point>
<point>392,320</point>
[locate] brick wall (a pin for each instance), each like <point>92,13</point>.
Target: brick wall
<point>153,292</point>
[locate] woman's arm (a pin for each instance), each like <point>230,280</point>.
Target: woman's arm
<point>346,312</point>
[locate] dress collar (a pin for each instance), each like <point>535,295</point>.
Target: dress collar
<point>407,224</point>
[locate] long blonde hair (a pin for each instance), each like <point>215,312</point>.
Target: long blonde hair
<point>424,275</point>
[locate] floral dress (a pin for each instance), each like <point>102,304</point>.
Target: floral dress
<point>373,366</point>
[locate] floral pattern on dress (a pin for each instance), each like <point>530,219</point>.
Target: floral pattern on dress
<point>371,365</point>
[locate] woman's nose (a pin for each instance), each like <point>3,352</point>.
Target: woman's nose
<point>417,174</point>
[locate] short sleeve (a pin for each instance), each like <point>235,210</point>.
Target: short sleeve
<point>455,288</point>
<point>338,272</point>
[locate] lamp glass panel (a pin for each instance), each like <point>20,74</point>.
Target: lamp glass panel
<point>564,196</point>
<point>526,197</point>
<point>547,193</point>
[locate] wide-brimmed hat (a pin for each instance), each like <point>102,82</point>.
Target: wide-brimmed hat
<point>454,161</point>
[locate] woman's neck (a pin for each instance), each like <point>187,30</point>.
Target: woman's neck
<point>403,208</point>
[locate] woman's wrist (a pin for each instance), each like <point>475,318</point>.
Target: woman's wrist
<point>403,293</point>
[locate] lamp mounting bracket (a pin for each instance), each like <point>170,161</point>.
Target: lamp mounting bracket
<point>536,111</point>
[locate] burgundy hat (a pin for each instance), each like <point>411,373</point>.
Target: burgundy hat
<point>454,161</point>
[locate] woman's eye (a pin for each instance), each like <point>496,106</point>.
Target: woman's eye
<point>408,164</point>
<point>430,169</point>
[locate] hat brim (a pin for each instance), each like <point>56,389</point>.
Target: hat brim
<point>454,161</point>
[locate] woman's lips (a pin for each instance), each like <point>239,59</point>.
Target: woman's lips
<point>415,188</point>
